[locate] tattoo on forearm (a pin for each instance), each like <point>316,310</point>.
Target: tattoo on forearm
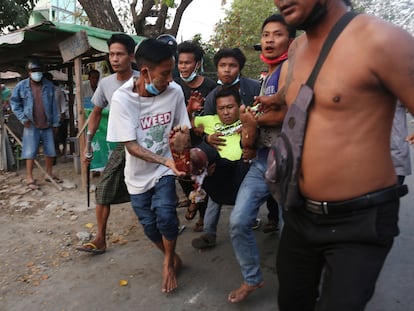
<point>140,152</point>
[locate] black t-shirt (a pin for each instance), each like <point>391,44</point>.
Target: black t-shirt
<point>205,88</point>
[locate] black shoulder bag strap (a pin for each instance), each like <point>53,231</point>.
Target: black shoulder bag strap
<point>330,40</point>
<point>285,161</point>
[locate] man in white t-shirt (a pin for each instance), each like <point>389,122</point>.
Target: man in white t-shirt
<point>144,112</point>
<point>110,188</point>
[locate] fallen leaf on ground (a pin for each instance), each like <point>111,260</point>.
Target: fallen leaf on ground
<point>123,283</point>
<point>89,225</point>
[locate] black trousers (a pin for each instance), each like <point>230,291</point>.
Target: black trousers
<point>332,262</point>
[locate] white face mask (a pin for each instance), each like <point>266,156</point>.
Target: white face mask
<point>191,77</point>
<point>36,76</point>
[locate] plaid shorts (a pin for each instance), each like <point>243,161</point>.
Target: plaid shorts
<point>111,188</point>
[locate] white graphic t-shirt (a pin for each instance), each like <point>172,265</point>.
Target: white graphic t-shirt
<point>147,120</point>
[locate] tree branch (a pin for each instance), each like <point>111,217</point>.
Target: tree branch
<point>178,16</point>
<point>139,19</point>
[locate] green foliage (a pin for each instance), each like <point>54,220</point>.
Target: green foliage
<point>169,3</point>
<point>15,13</point>
<point>242,28</point>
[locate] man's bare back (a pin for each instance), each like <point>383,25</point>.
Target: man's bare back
<point>346,151</point>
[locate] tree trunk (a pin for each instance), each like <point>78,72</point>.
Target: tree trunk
<point>159,28</point>
<point>101,14</point>
<point>178,16</point>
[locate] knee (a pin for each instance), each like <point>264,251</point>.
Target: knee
<point>239,220</point>
<point>167,224</point>
<point>152,233</point>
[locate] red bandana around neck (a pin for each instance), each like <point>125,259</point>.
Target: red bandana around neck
<point>275,61</point>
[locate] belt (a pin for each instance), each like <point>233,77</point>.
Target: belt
<point>361,202</point>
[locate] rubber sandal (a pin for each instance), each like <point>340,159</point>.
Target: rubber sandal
<point>55,178</point>
<point>32,186</point>
<point>191,211</point>
<point>91,248</point>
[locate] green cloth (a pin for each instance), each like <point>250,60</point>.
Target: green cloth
<point>101,148</point>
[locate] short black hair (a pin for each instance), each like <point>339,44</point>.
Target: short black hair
<point>93,71</point>
<point>277,18</point>
<point>191,47</point>
<point>152,52</point>
<point>228,91</point>
<point>34,63</point>
<point>228,52</point>
<point>123,39</point>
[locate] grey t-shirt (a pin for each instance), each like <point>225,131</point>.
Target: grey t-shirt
<point>106,88</point>
<point>400,149</point>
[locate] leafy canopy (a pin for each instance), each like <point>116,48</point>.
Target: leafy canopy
<point>242,28</point>
<point>15,13</point>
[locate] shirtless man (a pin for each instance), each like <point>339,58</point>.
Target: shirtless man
<point>346,155</point>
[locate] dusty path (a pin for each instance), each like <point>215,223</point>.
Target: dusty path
<point>41,270</point>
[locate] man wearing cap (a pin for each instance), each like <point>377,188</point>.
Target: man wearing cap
<point>34,104</point>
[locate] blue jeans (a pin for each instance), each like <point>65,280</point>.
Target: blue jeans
<point>253,192</point>
<point>31,140</point>
<point>211,217</point>
<point>156,210</point>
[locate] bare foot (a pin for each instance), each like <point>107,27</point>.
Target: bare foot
<point>180,139</point>
<point>169,278</point>
<point>178,263</point>
<point>243,291</point>
<point>180,145</point>
<point>249,127</point>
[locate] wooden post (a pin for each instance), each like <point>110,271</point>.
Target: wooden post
<point>72,48</point>
<point>81,116</point>
<point>3,154</point>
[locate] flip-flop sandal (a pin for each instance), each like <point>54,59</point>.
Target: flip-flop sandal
<point>191,211</point>
<point>91,248</point>
<point>55,178</point>
<point>32,186</point>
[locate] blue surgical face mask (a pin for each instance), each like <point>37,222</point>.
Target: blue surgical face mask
<point>150,87</point>
<point>36,76</point>
<point>233,83</point>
